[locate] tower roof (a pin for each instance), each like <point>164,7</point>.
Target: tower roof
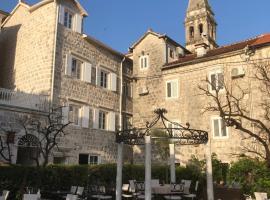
<point>197,4</point>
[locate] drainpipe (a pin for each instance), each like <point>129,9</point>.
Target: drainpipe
<point>121,95</point>
<point>54,54</point>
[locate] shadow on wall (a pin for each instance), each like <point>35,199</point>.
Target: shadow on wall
<point>8,44</point>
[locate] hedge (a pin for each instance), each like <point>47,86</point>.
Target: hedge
<point>57,177</point>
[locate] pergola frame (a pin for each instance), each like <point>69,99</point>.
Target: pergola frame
<point>178,134</point>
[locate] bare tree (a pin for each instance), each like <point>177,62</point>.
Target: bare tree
<point>6,140</point>
<point>48,129</point>
<point>231,100</point>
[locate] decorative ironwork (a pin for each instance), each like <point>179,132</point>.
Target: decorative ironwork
<point>28,140</point>
<point>173,131</point>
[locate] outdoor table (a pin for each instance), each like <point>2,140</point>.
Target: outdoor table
<point>161,189</point>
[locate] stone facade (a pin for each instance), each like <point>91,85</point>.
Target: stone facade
<point>39,47</point>
<point>189,72</point>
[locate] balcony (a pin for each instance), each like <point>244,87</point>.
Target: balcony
<point>24,100</point>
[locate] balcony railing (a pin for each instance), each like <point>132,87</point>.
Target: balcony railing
<point>24,100</point>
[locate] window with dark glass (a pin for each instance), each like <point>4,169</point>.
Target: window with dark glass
<point>102,120</point>
<point>68,18</point>
<point>76,66</point>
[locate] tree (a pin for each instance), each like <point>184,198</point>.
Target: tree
<point>48,129</point>
<point>232,99</point>
<point>6,140</point>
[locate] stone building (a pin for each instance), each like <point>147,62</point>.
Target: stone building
<point>167,75</point>
<point>45,52</point>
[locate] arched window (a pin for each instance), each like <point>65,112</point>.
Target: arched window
<point>201,29</point>
<point>191,32</point>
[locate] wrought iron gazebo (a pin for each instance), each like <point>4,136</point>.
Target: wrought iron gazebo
<point>173,131</point>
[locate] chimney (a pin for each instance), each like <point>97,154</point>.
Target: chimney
<point>201,49</point>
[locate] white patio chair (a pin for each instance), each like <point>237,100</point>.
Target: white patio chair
<point>126,194</point>
<point>80,191</point>
<point>187,184</point>
<point>31,197</point>
<point>260,195</point>
<point>132,185</point>
<point>73,189</point>
<point>4,195</point>
<point>71,197</point>
<point>192,196</point>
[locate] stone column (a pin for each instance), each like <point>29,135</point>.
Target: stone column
<point>172,162</point>
<point>118,191</point>
<point>209,171</point>
<point>148,190</point>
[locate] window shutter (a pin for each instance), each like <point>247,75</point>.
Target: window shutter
<point>213,81</point>
<point>68,64</point>
<point>61,14</point>
<point>113,80</point>
<point>87,72</point>
<point>99,160</point>
<point>65,111</point>
<point>169,89</point>
<point>174,89</point>
<point>93,75</point>
<point>78,25</point>
<point>98,77</point>
<point>220,80</point>
<point>112,121</point>
<point>95,119</point>
<point>85,116</point>
<point>216,127</point>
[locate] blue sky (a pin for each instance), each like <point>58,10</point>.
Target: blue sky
<point>119,23</point>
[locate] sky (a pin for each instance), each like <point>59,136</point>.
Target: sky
<point>120,23</point>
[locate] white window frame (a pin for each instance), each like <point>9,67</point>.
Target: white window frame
<point>70,13</point>
<point>173,125</point>
<point>81,67</point>
<point>144,62</point>
<point>79,123</point>
<point>177,89</point>
<point>105,122</point>
<point>93,155</point>
<point>213,118</point>
<point>216,72</point>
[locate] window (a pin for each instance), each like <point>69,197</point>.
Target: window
<point>104,79</point>
<point>76,66</point>
<point>127,122</point>
<point>191,32</point>
<point>68,19</point>
<point>144,62</point>
<point>201,29</point>
<point>172,89</point>
<point>74,114</point>
<point>171,125</point>
<point>216,79</point>
<point>102,120</point>
<point>93,160</point>
<point>171,53</point>
<point>86,159</point>
<point>218,127</point>
<point>127,91</point>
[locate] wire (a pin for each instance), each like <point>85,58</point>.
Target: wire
<point>216,64</point>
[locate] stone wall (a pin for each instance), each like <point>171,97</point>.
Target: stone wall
<point>190,104</point>
<point>27,44</point>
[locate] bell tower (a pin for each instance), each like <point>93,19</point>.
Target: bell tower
<point>200,25</point>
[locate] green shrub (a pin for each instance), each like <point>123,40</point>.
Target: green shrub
<point>252,174</point>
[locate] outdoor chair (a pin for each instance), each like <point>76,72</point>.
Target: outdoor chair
<point>193,196</point>
<point>139,190</point>
<point>98,192</point>
<point>71,197</point>
<point>126,194</point>
<point>187,184</point>
<point>73,189</point>
<point>260,195</point>
<point>132,185</point>
<point>176,192</point>
<point>80,191</point>
<point>4,195</point>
